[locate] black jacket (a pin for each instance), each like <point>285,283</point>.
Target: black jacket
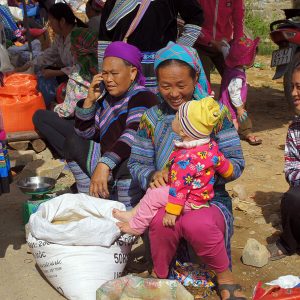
<point>158,25</point>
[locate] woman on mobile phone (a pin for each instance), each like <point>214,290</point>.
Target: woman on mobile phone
<point>105,125</point>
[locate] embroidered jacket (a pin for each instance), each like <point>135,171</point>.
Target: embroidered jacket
<point>112,122</point>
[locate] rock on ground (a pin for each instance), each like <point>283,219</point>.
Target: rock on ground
<point>50,168</point>
<point>255,254</point>
<point>239,191</point>
<point>21,157</point>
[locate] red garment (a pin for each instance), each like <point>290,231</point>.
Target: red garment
<point>192,175</point>
<point>223,19</point>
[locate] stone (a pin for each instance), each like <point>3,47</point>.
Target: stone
<point>274,219</point>
<point>260,221</point>
<point>255,254</point>
<point>50,168</point>
<point>45,155</point>
<point>38,145</point>
<point>239,191</point>
<point>21,157</point>
<point>241,206</point>
<point>22,145</point>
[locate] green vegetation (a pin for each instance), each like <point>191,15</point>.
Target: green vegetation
<point>257,26</point>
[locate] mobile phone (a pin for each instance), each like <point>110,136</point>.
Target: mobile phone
<point>102,86</point>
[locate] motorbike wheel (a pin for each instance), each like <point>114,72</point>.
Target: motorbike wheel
<point>287,79</point>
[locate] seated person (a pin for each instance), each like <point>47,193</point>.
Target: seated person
<point>192,167</point>
<point>180,79</point>
<point>56,125</point>
<point>105,125</point>
<point>289,241</point>
<point>56,62</point>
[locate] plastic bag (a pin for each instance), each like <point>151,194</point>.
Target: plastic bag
<point>5,65</point>
<point>135,288</point>
<point>286,282</point>
<point>19,100</point>
<point>197,279</point>
<point>76,244</point>
<point>263,292</point>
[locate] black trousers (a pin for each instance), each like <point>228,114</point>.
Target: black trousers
<point>76,149</point>
<point>53,129</point>
<point>210,57</point>
<point>290,214</point>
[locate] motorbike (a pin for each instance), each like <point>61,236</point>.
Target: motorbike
<point>286,34</point>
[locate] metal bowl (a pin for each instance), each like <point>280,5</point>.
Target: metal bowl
<point>36,184</point>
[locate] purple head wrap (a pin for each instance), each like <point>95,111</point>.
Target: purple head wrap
<point>129,53</point>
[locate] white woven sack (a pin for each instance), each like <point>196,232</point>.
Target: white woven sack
<point>75,261</point>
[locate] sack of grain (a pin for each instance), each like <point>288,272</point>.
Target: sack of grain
<point>77,245</point>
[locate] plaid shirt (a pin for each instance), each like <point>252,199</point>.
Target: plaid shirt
<point>292,153</point>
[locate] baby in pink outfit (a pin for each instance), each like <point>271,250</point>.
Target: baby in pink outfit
<point>192,167</point>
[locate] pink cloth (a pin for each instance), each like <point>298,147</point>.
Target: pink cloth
<point>192,171</point>
<point>222,21</point>
<point>203,228</point>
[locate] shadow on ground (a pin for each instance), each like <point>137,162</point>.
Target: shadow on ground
<point>269,203</point>
<point>11,225</point>
<point>266,106</point>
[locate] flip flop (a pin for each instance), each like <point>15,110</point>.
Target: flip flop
<point>252,140</point>
<point>231,288</point>
<point>274,249</point>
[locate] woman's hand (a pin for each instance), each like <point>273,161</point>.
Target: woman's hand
<point>169,220</point>
<point>217,45</point>
<point>159,179</point>
<point>94,91</point>
<point>98,186</point>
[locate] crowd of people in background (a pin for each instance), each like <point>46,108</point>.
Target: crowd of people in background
<point>131,110</point>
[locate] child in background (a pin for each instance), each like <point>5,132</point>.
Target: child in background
<point>192,169</point>
<point>233,93</point>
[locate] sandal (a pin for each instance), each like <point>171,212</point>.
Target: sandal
<point>251,139</point>
<point>231,288</point>
<point>274,249</point>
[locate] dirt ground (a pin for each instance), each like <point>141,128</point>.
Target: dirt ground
<point>263,180</point>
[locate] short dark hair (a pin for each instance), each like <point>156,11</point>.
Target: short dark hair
<point>178,62</point>
<point>63,11</point>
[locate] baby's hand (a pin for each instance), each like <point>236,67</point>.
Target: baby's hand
<point>242,115</point>
<point>169,220</point>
